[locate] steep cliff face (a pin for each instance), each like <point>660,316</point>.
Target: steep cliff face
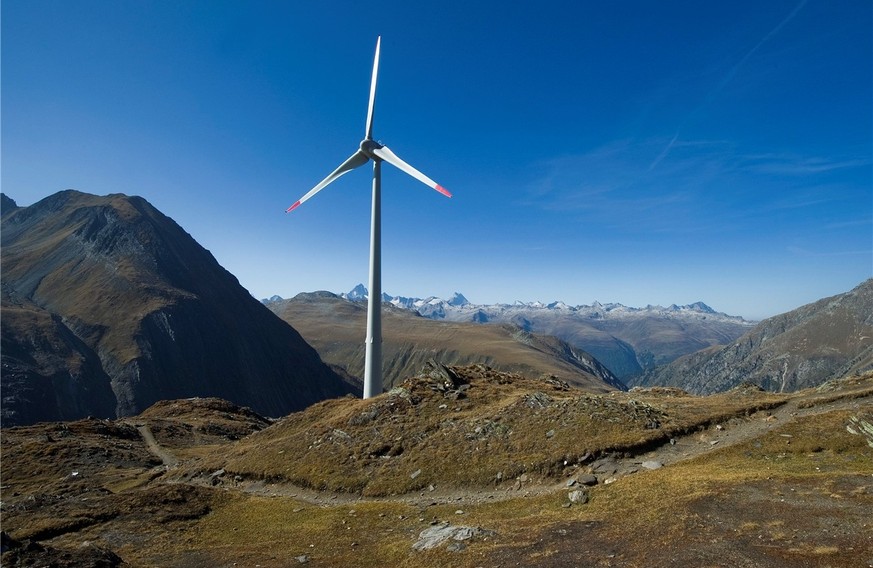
<point>802,348</point>
<point>48,373</point>
<point>147,310</point>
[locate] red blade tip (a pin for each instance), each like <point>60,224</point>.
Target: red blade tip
<point>293,207</point>
<point>443,190</point>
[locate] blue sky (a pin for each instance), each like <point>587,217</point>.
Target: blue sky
<point>635,152</point>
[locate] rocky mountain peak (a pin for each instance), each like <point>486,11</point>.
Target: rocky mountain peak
<point>358,293</point>
<point>7,204</point>
<point>109,306</point>
<point>457,299</point>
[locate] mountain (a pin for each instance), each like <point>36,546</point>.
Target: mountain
<point>358,293</point>
<point>626,340</point>
<point>108,306</point>
<point>335,326</point>
<point>802,348</point>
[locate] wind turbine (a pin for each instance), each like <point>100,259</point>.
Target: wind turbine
<point>368,150</point>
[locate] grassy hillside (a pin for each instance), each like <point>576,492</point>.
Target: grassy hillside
<point>746,478</point>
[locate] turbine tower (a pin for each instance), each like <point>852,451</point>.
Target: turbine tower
<point>368,150</point>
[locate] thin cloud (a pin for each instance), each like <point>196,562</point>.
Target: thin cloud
<point>664,152</point>
<point>613,186</point>
<point>733,71</point>
<point>798,251</point>
<point>849,224</point>
<point>787,165</point>
<point>706,184</point>
<point>728,77</point>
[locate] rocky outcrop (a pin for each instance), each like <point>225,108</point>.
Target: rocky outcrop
<point>109,306</point>
<point>803,348</point>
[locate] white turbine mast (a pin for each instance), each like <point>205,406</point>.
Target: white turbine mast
<point>368,150</point>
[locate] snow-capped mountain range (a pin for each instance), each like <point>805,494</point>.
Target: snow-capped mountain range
<point>627,340</point>
<point>458,308</point>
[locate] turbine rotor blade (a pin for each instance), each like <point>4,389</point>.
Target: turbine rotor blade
<point>372,106</point>
<point>354,161</point>
<point>387,155</point>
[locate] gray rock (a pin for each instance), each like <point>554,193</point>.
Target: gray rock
<point>436,535</point>
<point>259,362</point>
<point>464,533</point>
<point>586,479</point>
<point>578,496</point>
<point>652,464</point>
<point>605,465</point>
<point>215,477</point>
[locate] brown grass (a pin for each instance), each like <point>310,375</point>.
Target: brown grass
<point>505,426</point>
<point>668,509</point>
<point>788,496</point>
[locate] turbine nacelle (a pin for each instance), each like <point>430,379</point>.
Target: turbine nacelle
<point>369,146</point>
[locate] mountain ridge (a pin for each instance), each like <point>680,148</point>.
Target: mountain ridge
<point>462,306</point>
<point>335,326</point>
<point>628,341</point>
<point>106,298</point>
<point>802,348</point>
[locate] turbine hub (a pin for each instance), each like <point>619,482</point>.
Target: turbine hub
<point>367,147</point>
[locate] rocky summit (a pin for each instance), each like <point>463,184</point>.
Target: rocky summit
<point>108,306</point>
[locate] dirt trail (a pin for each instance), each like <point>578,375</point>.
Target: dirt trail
<point>734,431</point>
<point>739,430</point>
<point>167,458</point>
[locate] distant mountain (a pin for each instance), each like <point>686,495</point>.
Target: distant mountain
<point>802,348</point>
<point>335,326</point>
<point>109,306</point>
<point>358,293</point>
<point>626,340</point>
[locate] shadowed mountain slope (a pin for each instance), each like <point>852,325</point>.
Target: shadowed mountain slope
<point>801,348</point>
<point>336,328</point>
<point>108,306</point>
